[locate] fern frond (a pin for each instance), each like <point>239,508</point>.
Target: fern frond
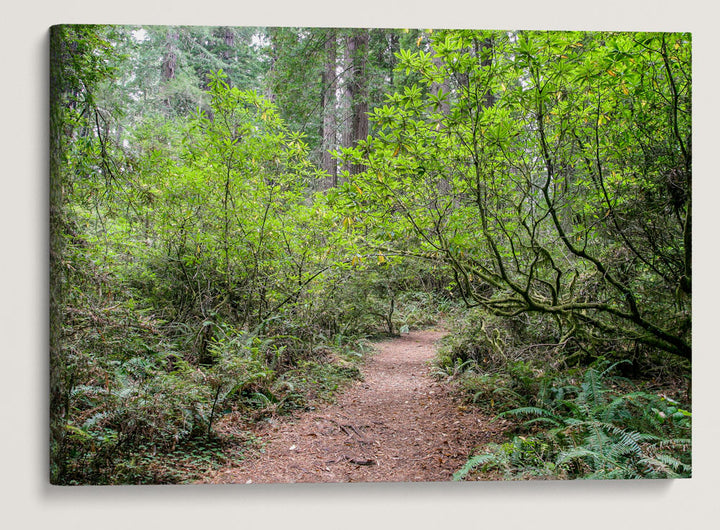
<point>614,473</point>
<point>125,392</point>
<point>592,389</point>
<point>671,462</point>
<point>544,419</point>
<point>683,444</point>
<point>665,466</point>
<point>476,461</point>
<point>629,441</point>
<point>93,420</point>
<point>536,411</point>
<point>612,367</point>
<point>576,453</point>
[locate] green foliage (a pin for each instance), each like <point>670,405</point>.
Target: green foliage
<point>495,342</point>
<point>501,363</point>
<point>550,150</point>
<point>142,412</point>
<point>312,380</point>
<point>304,95</point>
<point>590,430</point>
<point>516,385</point>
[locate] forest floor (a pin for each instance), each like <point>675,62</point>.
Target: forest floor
<point>396,425</point>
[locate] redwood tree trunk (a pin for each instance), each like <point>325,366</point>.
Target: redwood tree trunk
<point>359,126</point>
<point>329,124</point>
<point>170,58</point>
<point>229,38</point>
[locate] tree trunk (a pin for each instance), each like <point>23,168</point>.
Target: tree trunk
<point>359,126</point>
<point>170,59</point>
<point>229,38</point>
<point>484,52</point>
<point>57,388</point>
<point>329,123</point>
<point>436,87</point>
<point>343,126</point>
<point>394,47</point>
<point>444,109</point>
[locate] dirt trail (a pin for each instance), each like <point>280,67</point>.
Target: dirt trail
<point>398,425</point>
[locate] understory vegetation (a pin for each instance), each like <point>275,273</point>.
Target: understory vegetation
<point>570,417</point>
<point>235,213</point>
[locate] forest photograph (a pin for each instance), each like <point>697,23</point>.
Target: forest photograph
<point>316,254</point>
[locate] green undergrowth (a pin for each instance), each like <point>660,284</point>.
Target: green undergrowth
<point>562,420</point>
<point>590,429</point>
<point>155,418</point>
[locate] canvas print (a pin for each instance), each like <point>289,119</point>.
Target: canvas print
<point>320,254</point>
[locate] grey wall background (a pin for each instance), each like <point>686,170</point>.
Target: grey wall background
<point>28,501</point>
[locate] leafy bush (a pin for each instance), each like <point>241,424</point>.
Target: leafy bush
<point>491,368</point>
<point>494,342</point>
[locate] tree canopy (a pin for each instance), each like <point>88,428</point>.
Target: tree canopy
<point>557,179</point>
